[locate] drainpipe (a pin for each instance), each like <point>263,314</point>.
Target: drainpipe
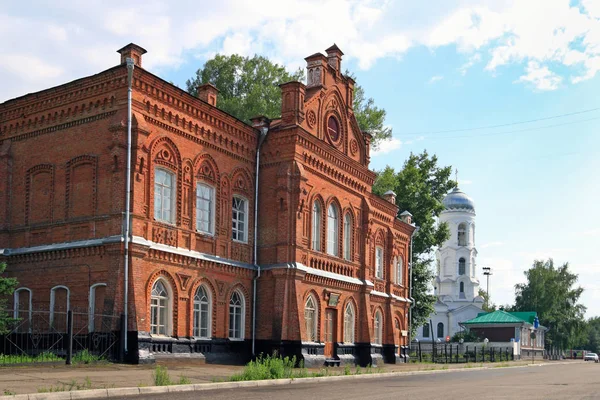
<point>410,287</point>
<point>130,66</point>
<point>263,135</point>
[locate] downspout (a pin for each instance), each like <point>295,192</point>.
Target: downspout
<point>130,66</point>
<point>263,135</point>
<point>410,287</point>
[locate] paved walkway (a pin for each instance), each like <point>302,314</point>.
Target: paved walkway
<point>20,380</point>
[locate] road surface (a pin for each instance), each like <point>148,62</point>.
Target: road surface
<point>572,381</point>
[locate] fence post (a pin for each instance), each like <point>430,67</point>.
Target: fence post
<point>450,354</point>
<point>446,352</point>
<point>69,337</point>
<point>457,349</point>
<point>475,353</point>
<point>420,354</point>
<point>467,353</point>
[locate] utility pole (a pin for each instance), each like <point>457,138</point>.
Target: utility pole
<point>487,271</point>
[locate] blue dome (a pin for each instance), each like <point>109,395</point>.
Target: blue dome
<point>458,200</point>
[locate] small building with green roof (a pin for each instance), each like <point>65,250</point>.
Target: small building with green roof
<point>503,327</point>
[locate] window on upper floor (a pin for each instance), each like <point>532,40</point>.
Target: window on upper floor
<point>348,237</point>
<point>164,196</point>
<point>462,234</point>
<point>379,262</point>
<point>461,266</point>
<point>399,268</point>
<point>239,225</point>
<point>205,209</point>
<point>316,226</point>
<point>333,243</point>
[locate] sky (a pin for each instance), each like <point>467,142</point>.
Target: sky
<point>448,73</point>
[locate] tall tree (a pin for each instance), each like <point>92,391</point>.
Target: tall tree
<point>420,185</point>
<point>552,292</point>
<point>487,306</point>
<point>250,86</point>
<point>7,287</point>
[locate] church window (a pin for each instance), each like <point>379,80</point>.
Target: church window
<point>426,331</point>
<point>311,316</point>
<point>378,328</point>
<point>237,311</point>
<point>379,262</point>
<point>202,313</point>
<point>332,230</point>
<point>462,234</point>
<point>205,206</point>
<point>160,308</point>
<point>164,196</point>
<point>461,266</point>
<point>316,228</point>
<point>462,287</point>
<point>399,266</point>
<point>333,129</point>
<point>240,219</point>
<point>348,237</point>
<point>440,330</point>
<point>349,323</point>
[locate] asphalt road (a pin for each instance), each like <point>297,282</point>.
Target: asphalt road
<point>572,381</point>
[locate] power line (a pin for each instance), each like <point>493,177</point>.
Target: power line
<point>517,130</point>
<point>502,125</point>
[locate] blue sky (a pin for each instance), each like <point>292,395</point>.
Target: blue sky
<point>435,65</point>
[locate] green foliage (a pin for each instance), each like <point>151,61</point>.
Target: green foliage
<point>420,185</point>
<point>184,380</point>
<point>68,387</point>
<point>467,336</point>
<point>267,367</point>
<point>370,118</point>
<point>487,305</point>
<point>347,370</point>
<point>247,86</point>
<point>8,359</point>
<point>551,292</point>
<point>85,357</point>
<point>161,376</point>
<point>7,287</point>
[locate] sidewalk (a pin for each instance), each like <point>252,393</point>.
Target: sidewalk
<point>34,379</point>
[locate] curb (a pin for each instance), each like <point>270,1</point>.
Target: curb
<point>200,387</point>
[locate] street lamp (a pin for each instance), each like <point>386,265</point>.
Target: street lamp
<point>487,271</point>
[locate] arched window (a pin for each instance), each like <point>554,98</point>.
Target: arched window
<point>349,318</point>
<point>399,267</point>
<point>164,196</point>
<point>311,317</point>
<point>23,308</point>
<point>379,262</point>
<point>473,234</point>
<point>440,330</point>
<point>316,228</point>
<point>202,313</point>
<point>96,305</point>
<point>378,328</point>
<point>205,209</point>
<point>160,309</point>
<point>236,315</point>
<point>333,243</point>
<point>240,219</point>
<point>462,234</point>
<point>59,306</point>
<point>333,129</point>
<point>461,266</point>
<point>426,330</point>
<point>461,290</point>
<point>348,237</point>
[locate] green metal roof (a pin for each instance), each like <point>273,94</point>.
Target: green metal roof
<point>497,317</point>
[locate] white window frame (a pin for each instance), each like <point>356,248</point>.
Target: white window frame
<point>159,191</point>
<point>53,302</point>
<point>235,221</point>
<point>464,272</point>
<point>238,330</point>
<point>155,308</point>
<point>211,208</point>
<point>462,234</point>
<point>399,270</point>
<point>311,326</point>
<point>348,237</point>
<point>379,262</point>
<point>333,230</point>
<point>378,328</point>
<point>197,313</point>
<point>92,306</point>
<point>438,330</point>
<point>349,323</point>
<point>316,225</point>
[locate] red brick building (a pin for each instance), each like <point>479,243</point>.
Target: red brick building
<point>330,276</point>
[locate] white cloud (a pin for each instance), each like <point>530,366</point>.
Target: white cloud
<point>387,146</point>
<point>491,244</point>
<point>417,139</point>
<point>591,232</point>
<point>71,39</point>
<point>540,77</point>
<point>435,78</point>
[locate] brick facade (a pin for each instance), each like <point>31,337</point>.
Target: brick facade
<point>63,155</point>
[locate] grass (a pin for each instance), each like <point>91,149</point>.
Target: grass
<point>11,359</point>
<point>161,377</point>
<point>85,357</point>
<point>68,387</point>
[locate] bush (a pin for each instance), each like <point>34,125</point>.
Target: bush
<point>161,376</point>
<point>269,367</point>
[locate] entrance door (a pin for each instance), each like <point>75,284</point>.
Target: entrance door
<point>330,332</point>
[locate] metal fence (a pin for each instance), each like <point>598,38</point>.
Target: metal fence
<point>40,335</point>
<point>447,353</point>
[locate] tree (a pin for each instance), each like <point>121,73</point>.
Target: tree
<point>370,118</point>
<point>592,339</point>
<point>487,306</point>
<point>551,292</point>
<point>7,287</point>
<point>420,185</point>
<point>247,86</point>
<point>250,86</point>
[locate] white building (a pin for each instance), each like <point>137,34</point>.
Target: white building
<point>456,285</point>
